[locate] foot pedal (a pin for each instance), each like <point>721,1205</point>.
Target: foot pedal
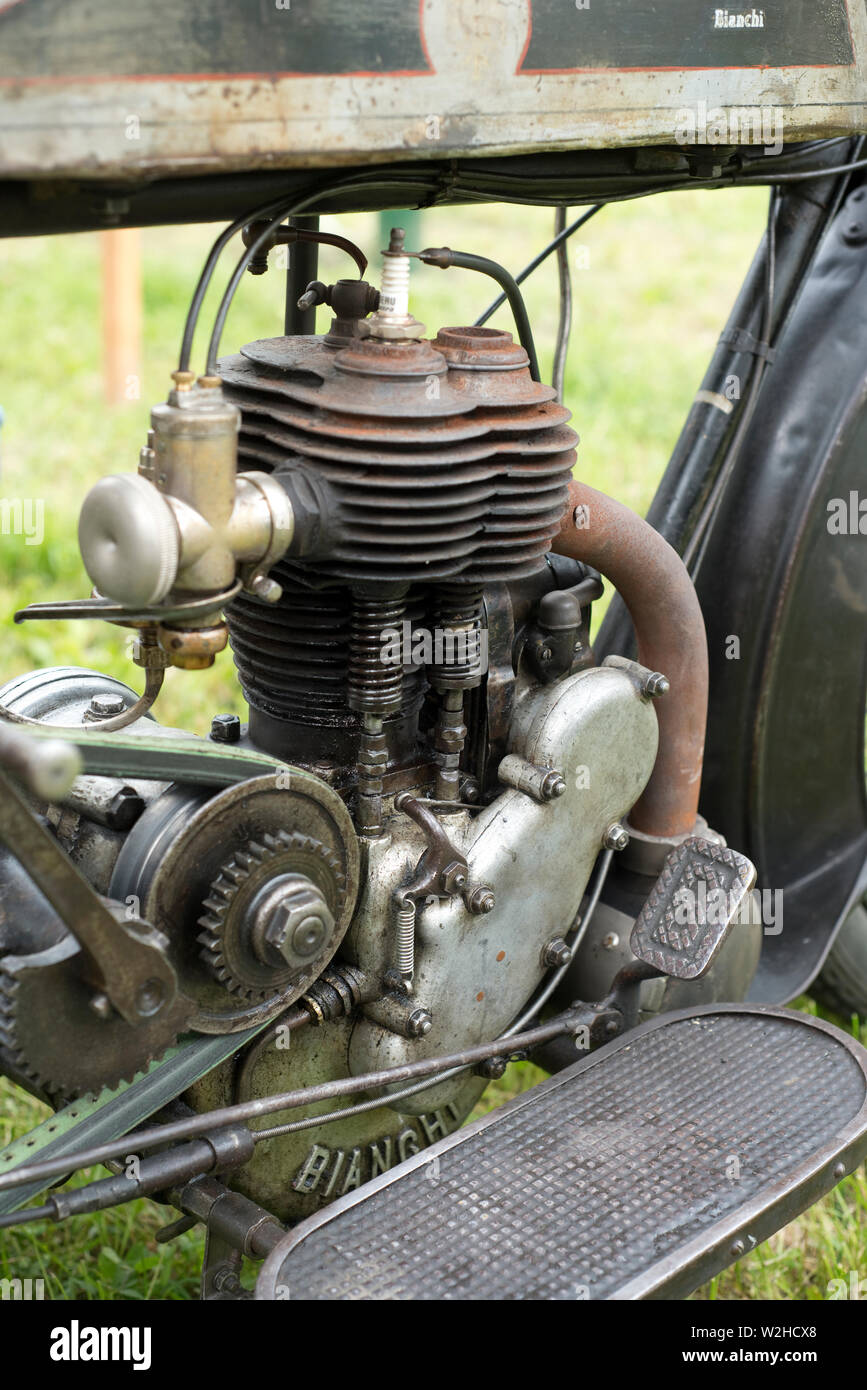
<point>691,907</point>
<point>639,1172</point>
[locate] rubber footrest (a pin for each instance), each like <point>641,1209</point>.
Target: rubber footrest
<point>638,1172</point>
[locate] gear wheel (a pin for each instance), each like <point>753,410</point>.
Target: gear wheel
<point>51,1037</point>
<point>225,935</point>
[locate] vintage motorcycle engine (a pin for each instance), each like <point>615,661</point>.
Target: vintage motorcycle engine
<point>394,848</point>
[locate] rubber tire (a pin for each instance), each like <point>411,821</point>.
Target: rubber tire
<point>842,985</point>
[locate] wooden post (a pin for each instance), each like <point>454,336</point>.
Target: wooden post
<point>121,314</point>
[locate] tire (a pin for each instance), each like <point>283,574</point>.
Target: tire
<point>842,985</point>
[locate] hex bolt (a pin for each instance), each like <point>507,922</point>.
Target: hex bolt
<point>419,1023</point>
<point>106,706</point>
<point>293,922</point>
<point>552,786</point>
<point>482,900</point>
<point>308,936</point>
<point>225,728</point>
<point>492,1068</point>
<point>556,953</point>
<point>470,790</point>
<point>656,684</point>
<point>227,1281</point>
<point>453,878</point>
<point>541,783</point>
<point>615,837</point>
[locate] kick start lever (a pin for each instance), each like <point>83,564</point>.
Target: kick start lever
<point>128,962</point>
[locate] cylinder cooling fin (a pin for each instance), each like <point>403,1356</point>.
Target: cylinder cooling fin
<point>445,459</point>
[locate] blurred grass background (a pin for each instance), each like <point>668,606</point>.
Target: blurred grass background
<point>653,281</point>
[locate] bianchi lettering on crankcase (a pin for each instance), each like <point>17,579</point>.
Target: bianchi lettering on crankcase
<point>331,1173</point>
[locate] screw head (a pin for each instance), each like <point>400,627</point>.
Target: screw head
<point>615,837</point>
<point>610,941</point>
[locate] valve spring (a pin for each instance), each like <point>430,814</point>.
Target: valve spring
<point>460,637</point>
<point>375,672</point>
<point>406,939</point>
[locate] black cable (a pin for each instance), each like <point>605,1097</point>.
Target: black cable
<point>696,549</point>
<point>207,274</point>
<point>285,206</point>
<point>445,257</point>
<point>543,255</point>
<point>250,252</point>
<point>801,175</point>
<point>290,207</point>
<point>564,325</point>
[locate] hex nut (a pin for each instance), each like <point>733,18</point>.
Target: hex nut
<point>419,1023</point>
<point>615,837</point>
<point>556,953</point>
<point>482,900</point>
<point>297,926</point>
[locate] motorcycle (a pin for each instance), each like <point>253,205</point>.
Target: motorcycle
<point>284,962</point>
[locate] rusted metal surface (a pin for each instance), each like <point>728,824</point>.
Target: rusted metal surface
<point>446,460</point>
<point>656,588</point>
<point>93,89</point>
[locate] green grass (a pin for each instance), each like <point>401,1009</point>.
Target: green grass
<point>659,278</point>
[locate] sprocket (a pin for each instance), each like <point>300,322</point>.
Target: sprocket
<point>197,863</point>
<point>52,1037</point>
<point>224,936</point>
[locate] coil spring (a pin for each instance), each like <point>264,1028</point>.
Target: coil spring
<point>375,678</point>
<point>406,939</point>
<point>460,637</point>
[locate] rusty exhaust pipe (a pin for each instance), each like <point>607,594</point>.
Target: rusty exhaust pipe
<point>654,584</point>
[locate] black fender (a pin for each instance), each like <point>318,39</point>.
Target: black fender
<point>785,604</point>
